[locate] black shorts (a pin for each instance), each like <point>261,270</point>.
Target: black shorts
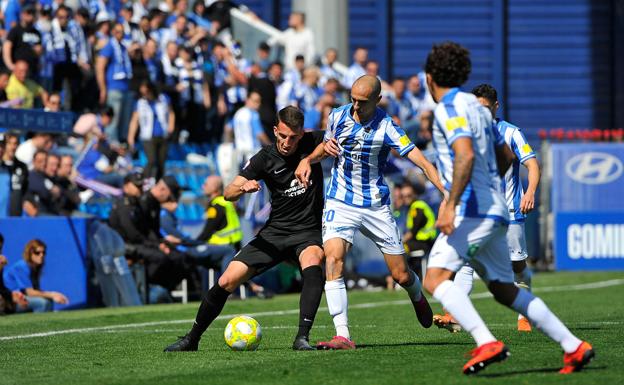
<point>269,249</point>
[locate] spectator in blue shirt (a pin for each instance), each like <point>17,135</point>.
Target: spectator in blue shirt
<point>25,276</point>
<point>113,72</point>
<point>154,120</point>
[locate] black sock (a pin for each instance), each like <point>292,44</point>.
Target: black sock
<point>311,293</point>
<point>210,308</point>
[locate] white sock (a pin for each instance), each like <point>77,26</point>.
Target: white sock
<point>538,313</point>
<point>456,302</point>
<point>464,279</point>
<point>336,294</point>
<point>414,290</point>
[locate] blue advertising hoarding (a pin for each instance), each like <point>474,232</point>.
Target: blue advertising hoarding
<point>588,206</point>
<point>589,241</point>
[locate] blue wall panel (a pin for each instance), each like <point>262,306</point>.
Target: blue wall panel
<point>368,28</point>
<point>417,25</point>
<point>558,64</point>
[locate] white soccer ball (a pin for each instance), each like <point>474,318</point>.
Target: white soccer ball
<point>243,333</point>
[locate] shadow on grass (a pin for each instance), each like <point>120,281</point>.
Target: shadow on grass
<point>400,344</point>
<point>537,370</point>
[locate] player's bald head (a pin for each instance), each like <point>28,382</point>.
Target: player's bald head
<point>369,85</point>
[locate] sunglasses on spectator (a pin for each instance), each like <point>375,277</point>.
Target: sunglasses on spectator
<point>39,252</point>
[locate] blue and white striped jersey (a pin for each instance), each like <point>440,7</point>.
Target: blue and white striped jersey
<point>357,174</point>
<point>511,185</point>
<point>459,115</point>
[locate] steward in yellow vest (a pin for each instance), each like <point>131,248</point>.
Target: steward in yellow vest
<point>420,233</point>
<point>222,225</point>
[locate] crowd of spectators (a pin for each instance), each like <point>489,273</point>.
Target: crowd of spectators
<point>143,74</point>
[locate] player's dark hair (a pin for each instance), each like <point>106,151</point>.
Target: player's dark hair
<point>292,117</point>
<point>448,64</point>
<point>486,91</point>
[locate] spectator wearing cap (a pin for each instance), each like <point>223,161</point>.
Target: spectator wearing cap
<point>22,88</point>
<point>263,56</point>
<point>113,72</point>
<point>194,95</point>
<point>259,82</point>
<point>25,276</point>
<point>18,172</point>
<point>23,42</point>
<point>138,223</point>
<point>297,40</point>
<point>66,51</point>
<point>154,120</point>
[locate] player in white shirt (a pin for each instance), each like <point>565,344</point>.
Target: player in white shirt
<point>360,136</point>
<point>519,203</point>
<point>474,219</point>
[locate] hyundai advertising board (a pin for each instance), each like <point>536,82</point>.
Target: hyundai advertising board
<point>588,206</point>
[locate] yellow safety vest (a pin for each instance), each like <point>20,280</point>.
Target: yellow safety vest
<point>428,232</point>
<point>231,233</point>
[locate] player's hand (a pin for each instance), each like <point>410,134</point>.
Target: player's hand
<point>164,248</point>
<point>527,204</point>
<point>251,186</point>
<point>303,172</point>
<point>446,218</point>
<point>173,239</point>
<point>19,298</point>
<point>59,298</point>
<point>332,148</point>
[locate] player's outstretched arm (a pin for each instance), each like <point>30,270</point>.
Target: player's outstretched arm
<point>527,204</point>
<point>239,186</point>
<point>304,169</point>
<point>417,157</point>
<point>462,169</point>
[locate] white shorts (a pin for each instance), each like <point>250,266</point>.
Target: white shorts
<point>517,242</point>
<point>341,220</point>
<point>481,243</point>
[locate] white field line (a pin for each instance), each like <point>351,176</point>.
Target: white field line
<point>546,289</point>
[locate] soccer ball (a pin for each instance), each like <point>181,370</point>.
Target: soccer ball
<point>243,333</point>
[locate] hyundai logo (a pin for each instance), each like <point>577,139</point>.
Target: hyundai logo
<point>594,168</point>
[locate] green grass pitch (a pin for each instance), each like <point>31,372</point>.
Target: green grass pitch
<point>124,345</point>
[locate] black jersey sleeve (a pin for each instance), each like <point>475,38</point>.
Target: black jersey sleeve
<point>317,137</point>
<point>255,168</point>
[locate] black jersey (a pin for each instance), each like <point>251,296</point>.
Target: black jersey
<point>294,208</point>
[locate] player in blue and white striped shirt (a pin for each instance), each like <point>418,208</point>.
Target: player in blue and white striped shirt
<point>518,202</point>
<point>474,219</point>
<point>360,136</point>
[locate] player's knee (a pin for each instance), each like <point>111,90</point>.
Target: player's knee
<point>229,282</point>
<point>401,276</point>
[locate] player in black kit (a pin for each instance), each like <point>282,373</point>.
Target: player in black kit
<point>293,231</point>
